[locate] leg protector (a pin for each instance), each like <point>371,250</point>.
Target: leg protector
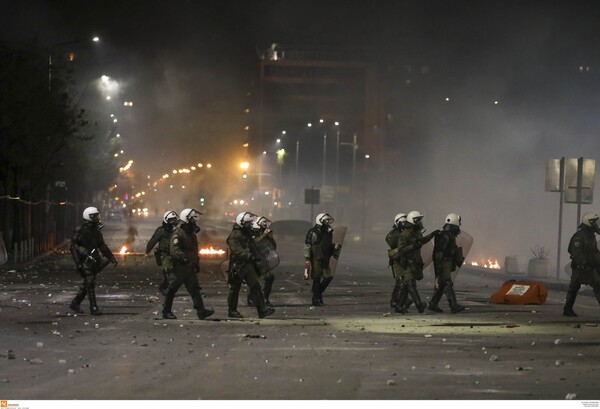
<point>414,294</point>
<point>451,296</point>
<point>569,302</point>
<point>268,286</point>
<point>259,299</point>
<point>74,306</point>
<point>234,295</point>
<point>435,299</point>
<point>91,293</point>
<point>402,298</point>
<point>316,290</point>
<point>395,293</point>
<point>324,284</point>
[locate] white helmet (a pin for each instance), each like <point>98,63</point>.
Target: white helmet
<point>414,217</point>
<point>245,219</point>
<point>91,214</point>
<point>399,219</point>
<point>590,219</point>
<point>187,215</point>
<point>453,219</point>
<point>324,219</point>
<point>261,223</point>
<point>170,215</point>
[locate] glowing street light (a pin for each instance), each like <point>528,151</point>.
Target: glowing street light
<point>95,39</point>
<point>244,165</point>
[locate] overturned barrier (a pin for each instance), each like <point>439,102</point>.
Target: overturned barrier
<point>520,292</point>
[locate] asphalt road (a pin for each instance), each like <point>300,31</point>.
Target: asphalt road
<point>354,347</point>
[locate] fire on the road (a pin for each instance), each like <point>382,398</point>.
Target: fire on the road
<point>493,264</point>
<point>123,250</point>
<point>210,251</point>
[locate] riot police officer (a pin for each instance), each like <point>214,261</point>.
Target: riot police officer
<point>318,250</point>
<point>242,267</point>
<point>261,231</point>
<point>86,245</point>
<point>183,249</point>
<point>585,261</point>
<point>162,236</point>
<point>409,265</point>
<point>392,240</point>
<point>446,257</point>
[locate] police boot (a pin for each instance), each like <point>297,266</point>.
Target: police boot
<point>435,299</point>
<point>395,292</point>
<point>268,288</point>
<point>402,299</point>
<point>74,306</point>
<point>257,294</point>
<point>232,300</point>
<point>324,283</point>
<point>201,311</point>
<point>316,290</point>
<point>569,302</point>
<point>91,293</point>
<point>451,296</point>
<point>167,314</point>
<point>414,294</point>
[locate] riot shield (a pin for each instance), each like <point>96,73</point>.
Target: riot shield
<point>268,258</point>
<point>464,240</point>
<point>3,255</point>
<point>339,232</point>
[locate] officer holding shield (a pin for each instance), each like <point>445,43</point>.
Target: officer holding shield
<point>86,245</point>
<point>447,256</point>
<point>585,261</point>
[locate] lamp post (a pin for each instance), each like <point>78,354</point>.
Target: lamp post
<point>337,165</point>
<point>364,197</point>
<point>354,145</point>
<point>95,39</point>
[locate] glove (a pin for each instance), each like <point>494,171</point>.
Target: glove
<point>114,262</point>
<point>430,236</point>
<point>79,268</point>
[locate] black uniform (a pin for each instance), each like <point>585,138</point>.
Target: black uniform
<point>86,245</point>
<point>162,237</point>
<point>585,265</point>
<point>269,277</point>
<point>242,267</point>
<point>318,250</point>
<point>186,264</point>
<point>446,257</point>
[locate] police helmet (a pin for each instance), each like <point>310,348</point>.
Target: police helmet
<point>324,219</point>
<point>170,216</point>
<point>91,214</point>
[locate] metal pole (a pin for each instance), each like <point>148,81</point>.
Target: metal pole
<point>324,157</point>
<point>297,156</point>
<point>354,149</point>
<point>579,187</point>
<point>561,185</point>
<point>337,169</point>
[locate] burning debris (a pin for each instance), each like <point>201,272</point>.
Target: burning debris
<point>492,264</point>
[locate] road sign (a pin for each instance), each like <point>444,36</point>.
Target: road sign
<point>312,196</point>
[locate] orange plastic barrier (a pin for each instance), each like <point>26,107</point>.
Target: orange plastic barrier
<point>520,292</point>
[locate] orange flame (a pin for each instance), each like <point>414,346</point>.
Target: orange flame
<point>211,251</point>
<point>493,264</point>
<point>123,250</point>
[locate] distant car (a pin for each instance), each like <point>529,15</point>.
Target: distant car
<point>114,216</point>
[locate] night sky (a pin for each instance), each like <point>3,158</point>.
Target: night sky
<point>187,65</point>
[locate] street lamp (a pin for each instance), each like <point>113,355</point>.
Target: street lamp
<point>94,39</point>
<point>364,197</point>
